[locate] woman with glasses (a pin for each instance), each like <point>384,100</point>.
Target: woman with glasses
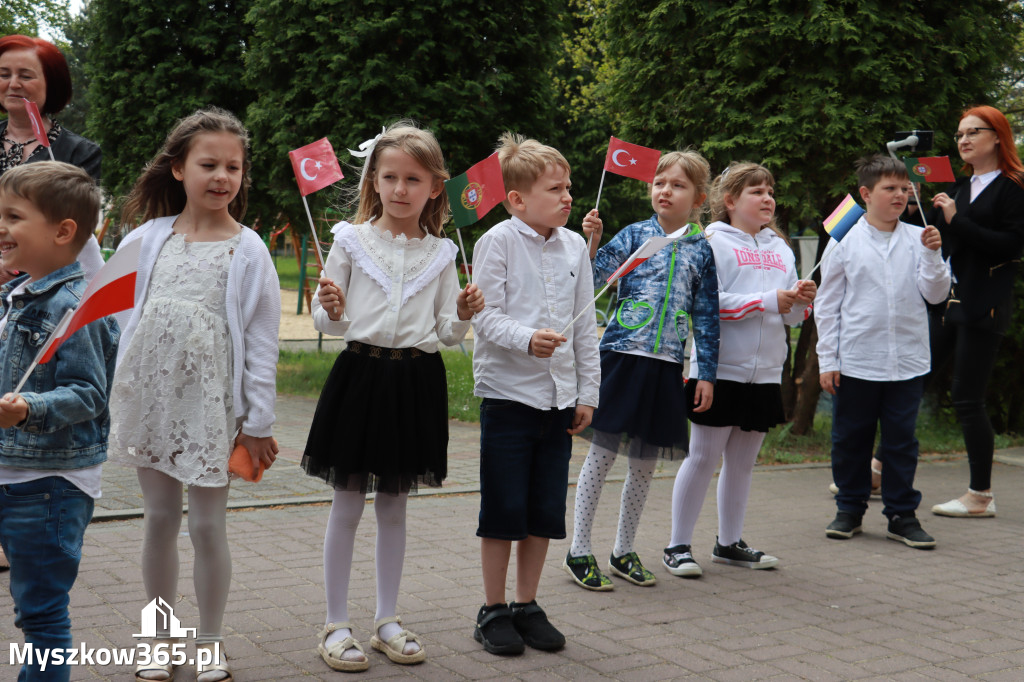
<point>981,218</point>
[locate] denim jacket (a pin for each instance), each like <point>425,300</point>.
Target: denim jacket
<point>665,297</point>
<point>68,422</point>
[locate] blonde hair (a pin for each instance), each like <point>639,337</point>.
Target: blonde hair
<point>59,191</point>
<point>696,168</point>
<point>523,160</point>
<point>158,193</point>
<point>731,183</point>
<point>422,146</point>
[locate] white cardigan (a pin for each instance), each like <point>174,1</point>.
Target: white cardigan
<point>254,317</point>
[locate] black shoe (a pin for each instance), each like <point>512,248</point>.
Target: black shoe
<point>628,567</point>
<point>679,561</point>
<point>845,526</point>
<point>907,529</point>
<point>533,626</point>
<point>739,554</point>
<point>496,631</point>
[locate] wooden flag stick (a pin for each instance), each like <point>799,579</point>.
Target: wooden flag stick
<point>465,261</point>
<point>316,245</point>
<point>597,203</point>
<point>587,307</point>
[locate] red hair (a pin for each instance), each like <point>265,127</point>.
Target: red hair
<point>55,69</point>
<point>1009,162</point>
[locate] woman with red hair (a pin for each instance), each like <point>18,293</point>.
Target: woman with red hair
<point>981,218</point>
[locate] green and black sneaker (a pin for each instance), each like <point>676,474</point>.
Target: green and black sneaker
<point>586,574</point>
<point>628,566</point>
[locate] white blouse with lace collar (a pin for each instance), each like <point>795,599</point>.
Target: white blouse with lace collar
<point>400,294</point>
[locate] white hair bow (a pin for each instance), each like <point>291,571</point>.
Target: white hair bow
<point>365,151</point>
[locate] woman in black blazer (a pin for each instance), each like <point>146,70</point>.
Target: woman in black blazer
<point>981,219</point>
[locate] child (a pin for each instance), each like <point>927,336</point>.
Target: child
<point>390,287</point>
<point>54,435</point>
<point>758,294</point>
<point>536,392</point>
<point>642,358</point>
<point>873,350</point>
<point>196,370</point>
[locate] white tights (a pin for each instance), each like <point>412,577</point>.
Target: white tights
<point>737,449</point>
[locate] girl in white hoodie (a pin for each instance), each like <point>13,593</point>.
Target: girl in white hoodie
<point>758,294</point>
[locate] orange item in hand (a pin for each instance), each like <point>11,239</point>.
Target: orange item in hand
<point>240,464</point>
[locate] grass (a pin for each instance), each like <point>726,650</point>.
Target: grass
<point>304,372</point>
<point>288,271</point>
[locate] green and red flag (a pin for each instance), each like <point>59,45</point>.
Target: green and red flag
<point>476,191</point>
<point>929,169</point>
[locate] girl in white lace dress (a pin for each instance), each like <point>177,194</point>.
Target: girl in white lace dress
<point>197,361</point>
<point>391,289</point>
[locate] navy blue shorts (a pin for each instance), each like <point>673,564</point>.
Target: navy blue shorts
<point>524,470</point>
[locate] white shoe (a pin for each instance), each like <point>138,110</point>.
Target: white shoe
<point>958,509</point>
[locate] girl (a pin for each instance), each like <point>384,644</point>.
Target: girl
<point>642,360</point>
<point>381,424</point>
<point>758,294</point>
<point>197,360</point>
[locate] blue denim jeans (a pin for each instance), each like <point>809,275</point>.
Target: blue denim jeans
<point>42,526</point>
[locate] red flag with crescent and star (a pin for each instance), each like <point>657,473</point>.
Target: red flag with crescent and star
<point>37,122</point>
<point>315,166</point>
<point>631,160</point>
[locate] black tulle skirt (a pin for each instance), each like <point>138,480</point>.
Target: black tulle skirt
<point>752,407</point>
<point>381,423</point>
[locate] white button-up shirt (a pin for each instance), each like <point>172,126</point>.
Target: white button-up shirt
<point>870,309</point>
<point>531,283</point>
<point>980,182</point>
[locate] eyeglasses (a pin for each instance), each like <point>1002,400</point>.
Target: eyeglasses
<point>970,133</point>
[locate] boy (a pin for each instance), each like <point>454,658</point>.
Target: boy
<point>538,387</point>
<point>53,436</point>
<point>873,350</point>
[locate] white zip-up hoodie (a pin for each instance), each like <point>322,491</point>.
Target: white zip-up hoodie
<point>752,347</point>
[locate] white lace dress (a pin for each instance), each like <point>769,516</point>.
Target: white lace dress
<point>171,404</point>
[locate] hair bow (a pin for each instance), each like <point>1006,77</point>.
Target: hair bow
<point>365,152</point>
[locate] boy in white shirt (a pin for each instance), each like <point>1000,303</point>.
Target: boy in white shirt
<point>873,350</point>
<point>538,387</point>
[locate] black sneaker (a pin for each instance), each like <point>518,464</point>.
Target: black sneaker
<point>496,631</point>
<point>533,626</point>
<point>628,567</point>
<point>586,574</point>
<point>679,561</point>
<point>845,526</point>
<point>907,529</point>
<point>739,554</point>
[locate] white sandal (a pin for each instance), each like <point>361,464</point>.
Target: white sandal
<point>958,509</point>
<point>394,648</point>
<point>167,669</point>
<point>332,653</point>
<point>215,666</point>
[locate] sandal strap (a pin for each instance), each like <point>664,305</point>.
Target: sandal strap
<point>979,494</point>
<point>496,612</point>
<point>527,609</point>
<point>332,627</point>
<point>377,624</point>
<point>338,649</point>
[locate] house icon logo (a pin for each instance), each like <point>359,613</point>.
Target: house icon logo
<point>158,616</point>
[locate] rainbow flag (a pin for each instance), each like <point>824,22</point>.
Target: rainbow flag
<point>843,218</point>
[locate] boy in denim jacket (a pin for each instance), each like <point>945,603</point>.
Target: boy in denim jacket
<point>53,435</point>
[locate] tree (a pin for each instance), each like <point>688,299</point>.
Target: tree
<point>804,87</point>
<point>152,63</point>
<point>30,17</point>
<point>344,68</point>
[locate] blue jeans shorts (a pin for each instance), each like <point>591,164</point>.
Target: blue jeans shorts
<point>524,470</point>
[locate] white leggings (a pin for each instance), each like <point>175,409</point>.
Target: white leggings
<point>737,449</point>
<point>339,545</point>
<point>207,528</point>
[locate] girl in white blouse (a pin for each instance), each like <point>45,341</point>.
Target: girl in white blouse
<point>391,289</point>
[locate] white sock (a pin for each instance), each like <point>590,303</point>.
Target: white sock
<point>588,491</point>
<point>706,446</point>
<point>734,482</point>
<point>631,506</point>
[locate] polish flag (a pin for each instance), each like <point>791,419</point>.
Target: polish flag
<point>111,290</point>
<point>650,247</point>
<point>631,160</point>
<point>315,166</point>
<point>37,122</point>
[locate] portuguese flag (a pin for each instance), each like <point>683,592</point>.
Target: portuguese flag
<point>476,191</point>
<point>929,169</point>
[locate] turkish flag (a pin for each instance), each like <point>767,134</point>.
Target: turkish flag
<point>315,166</point>
<point>37,122</point>
<point>631,160</point>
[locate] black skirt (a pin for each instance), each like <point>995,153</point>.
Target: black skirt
<point>642,408</point>
<point>381,423</point>
<point>752,407</point>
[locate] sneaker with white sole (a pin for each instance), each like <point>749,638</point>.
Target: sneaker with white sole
<point>739,554</point>
<point>845,525</point>
<point>907,529</point>
<point>679,561</point>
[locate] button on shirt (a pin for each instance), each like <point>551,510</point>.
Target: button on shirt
<point>531,283</point>
<point>870,309</point>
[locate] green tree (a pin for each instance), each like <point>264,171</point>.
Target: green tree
<point>149,64</point>
<point>343,68</point>
<point>30,17</point>
<point>804,87</point>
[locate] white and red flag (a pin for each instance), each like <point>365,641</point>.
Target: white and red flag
<point>650,247</point>
<point>631,160</point>
<point>315,165</point>
<point>37,122</point>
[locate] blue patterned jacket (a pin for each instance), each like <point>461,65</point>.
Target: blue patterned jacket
<point>665,297</point>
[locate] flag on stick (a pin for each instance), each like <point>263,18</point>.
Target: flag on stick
<point>476,191</point>
<point>315,166</point>
<point>631,160</point>
<point>37,125</point>
<point>929,169</point>
<point>843,218</point>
